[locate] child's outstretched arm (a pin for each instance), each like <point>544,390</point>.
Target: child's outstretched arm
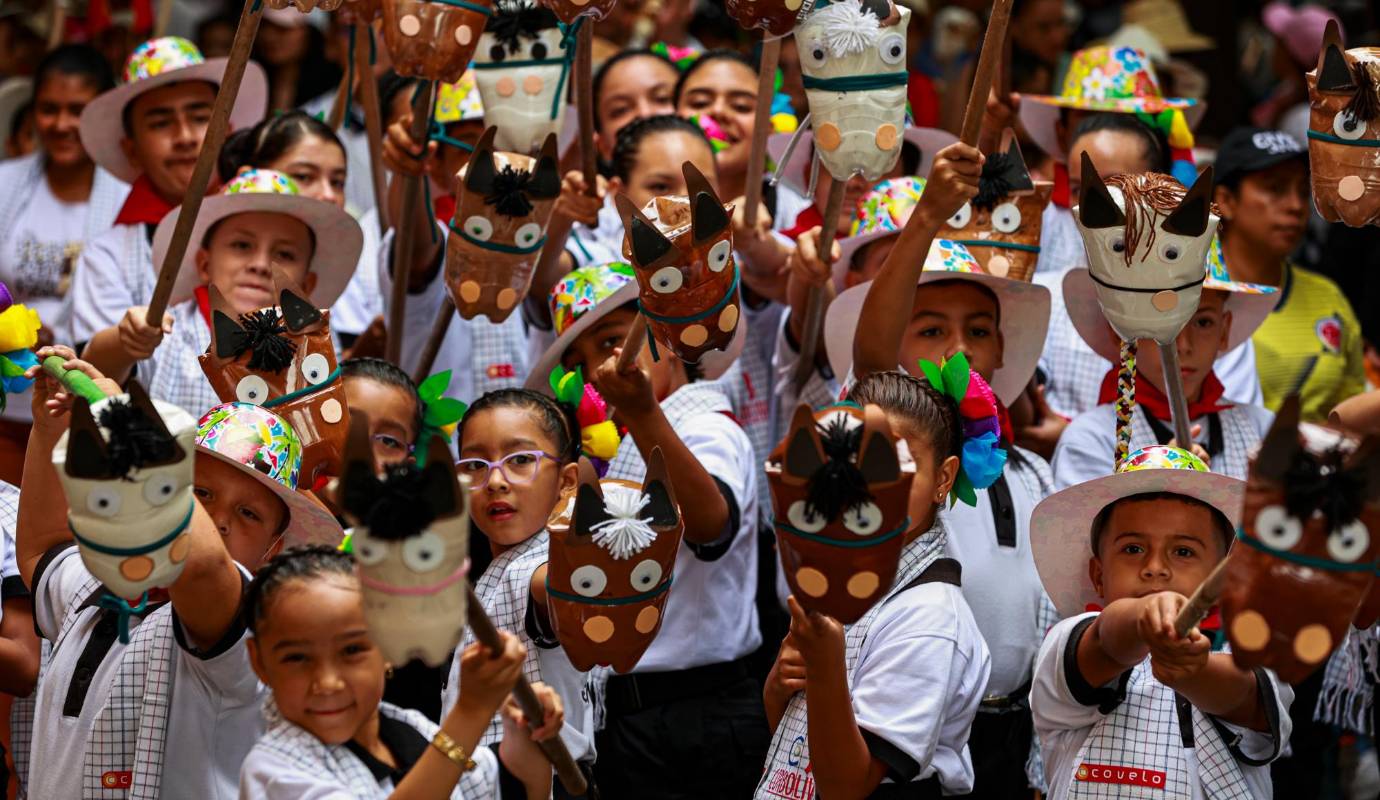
<point>1112,644</point>
<point>630,392</point>
<point>114,351</point>
<point>886,311</point>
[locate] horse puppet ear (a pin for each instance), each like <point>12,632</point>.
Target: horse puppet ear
<point>707,215</point>
<point>1281,443</point>
<point>877,457</point>
<point>648,245</point>
<point>1191,217</point>
<point>299,313</point>
<point>804,453</point>
<point>1334,75</point>
<point>1096,206</point>
<point>480,171</point>
<point>662,507</point>
<point>546,175</point>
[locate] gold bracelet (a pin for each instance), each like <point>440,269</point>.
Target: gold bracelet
<point>442,741</point>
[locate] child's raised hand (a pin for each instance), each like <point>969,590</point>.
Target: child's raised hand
<point>787,675</point>
<point>819,640</point>
<point>806,265</point>
<point>629,391</point>
<point>575,204</point>
<point>953,181</point>
<point>51,401</point>
<point>401,153</point>
<point>1172,657</point>
<point>138,338</point>
<point>519,751</point>
<point>486,677</point>
<point>1195,448</point>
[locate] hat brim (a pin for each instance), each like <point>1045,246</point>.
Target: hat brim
<point>1249,310</point>
<point>339,239</point>
<point>714,363</point>
<point>1024,311</point>
<point>1061,525</point>
<point>102,121</point>
<point>308,521</point>
<point>14,93</point>
<point>1040,112</point>
<point>796,174</point>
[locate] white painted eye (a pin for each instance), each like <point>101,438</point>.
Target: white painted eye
<point>1276,528</point>
<point>423,553</point>
<point>252,389</point>
<point>1349,542</point>
<point>588,581</point>
<point>645,576</point>
<point>160,489</point>
<point>315,368</point>
<point>719,255</point>
<point>527,235</point>
<point>1170,251</point>
<point>667,280</point>
<point>479,228</point>
<point>814,55</point>
<point>863,520</point>
<point>892,48</point>
<point>1006,218</point>
<point>1117,244</point>
<point>962,217</point>
<point>368,551</point>
<point>810,523</point>
<point>103,501</point>
<point>1347,126</point>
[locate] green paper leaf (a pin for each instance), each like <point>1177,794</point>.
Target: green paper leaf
<point>963,490</point>
<point>932,374</point>
<point>9,369</point>
<point>956,376</point>
<point>434,386</point>
<point>444,411</point>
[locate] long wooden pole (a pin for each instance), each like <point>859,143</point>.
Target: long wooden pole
<point>632,343</point>
<point>373,122</point>
<point>761,129</point>
<point>206,159</point>
<point>406,244</point>
<point>814,304</point>
<point>992,50</point>
<point>1178,401</point>
<point>1202,601</point>
<point>584,105</point>
<point>486,634</point>
<point>439,328</point>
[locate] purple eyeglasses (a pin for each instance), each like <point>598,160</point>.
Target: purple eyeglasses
<point>518,468</point>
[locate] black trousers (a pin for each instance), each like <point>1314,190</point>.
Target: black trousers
<point>697,748</point>
<point>1000,744</point>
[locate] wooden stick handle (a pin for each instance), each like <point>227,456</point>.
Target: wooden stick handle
<point>57,22</point>
<point>632,344</point>
<point>405,248</point>
<point>373,123</point>
<point>486,634</point>
<point>205,160</point>
<point>584,104</point>
<point>986,71</point>
<point>1202,601</point>
<point>814,306</point>
<point>337,115</point>
<point>1178,401</point>
<point>761,129</point>
<point>72,380</point>
<point>434,340</point>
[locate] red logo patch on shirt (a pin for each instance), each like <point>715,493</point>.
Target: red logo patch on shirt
<point>1329,331</point>
<point>1122,776</point>
<point>117,780</point>
<point>501,371</point>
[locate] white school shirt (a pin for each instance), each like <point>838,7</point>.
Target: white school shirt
<point>711,613</point>
<point>601,244</point>
<point>114,274</point>
<point>1087,447</point>
<point>1063,724</point>
<point>505,590</point>
<point>173,373</point>
<point>481,356</point>
<point>289,763</point>
<point>361,301</point>
<point>1000,582</point>
<point>11,584</point>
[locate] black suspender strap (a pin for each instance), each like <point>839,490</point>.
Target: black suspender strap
<point>1163,433</point>
<point>1003,512</point>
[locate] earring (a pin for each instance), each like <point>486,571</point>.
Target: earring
<point>388,672</point>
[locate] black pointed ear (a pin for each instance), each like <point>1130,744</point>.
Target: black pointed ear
<point>1019,174</point>
<point>1096,207</point>
<point>877,458</point>
<point>589,510</point>
<point>442,487</point>
<point>357,483</point>
<point>1191,217</point>
<point>86,455</point>
<point>880,8</point>
<point>1281,444</point>
<point>546,176</point>
<point>480,171</point>
<point>707,214</point>
<point>1334,74</point>
<point>662,508</point>
<point>299,313</point>
<point>804,454</point>
<point>648,245</point>
<point>225,335</point>
<point>139,399</point>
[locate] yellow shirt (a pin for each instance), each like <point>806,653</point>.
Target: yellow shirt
<point>1313,318</point>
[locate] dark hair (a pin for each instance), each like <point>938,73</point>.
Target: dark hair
<point>605,68</point>
<point>388,374</point>
<point>1225,531</point>
<point>389,86</point>
<point>78,60</point>
<point>1155,142</point>
<point>926,411</point>
<point>709,57</point>
<point>295,563</point>
<point>629,141</point>
<point>556,419</point>
<point>267,141</point>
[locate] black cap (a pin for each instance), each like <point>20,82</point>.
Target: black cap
<point>1247,150</point>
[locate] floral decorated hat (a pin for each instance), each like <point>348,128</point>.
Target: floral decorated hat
<point>585,296</point>
<point>153,64</point>
<point>1023,307</point>
<point>456,102</point>
<point>264,446</point>
<point>1250,305</point>
<point>1110,79</point>
<point>338,237</point>
<point>1061,526</point>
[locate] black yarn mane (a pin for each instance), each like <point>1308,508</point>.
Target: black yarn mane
<point>264,335</point>
<point>1365,104</point>
<point>509,192</point>
<point>397,507</point>
<point>995,182</point>
<point>135,440</point>
<point>1318,483</point>
<point>838,485</point>
<point>514,20</point>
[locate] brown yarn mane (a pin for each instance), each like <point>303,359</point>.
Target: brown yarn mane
<point>1365,104</point>
<point>1147,196</point>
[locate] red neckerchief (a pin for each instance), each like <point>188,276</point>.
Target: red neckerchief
<point>1212,622</point>
<point>807,219</point>
<point>144,205</point>
<point>203,303</point>
<point>1149,396</point>
<point>1062,196</point>
<point>443,207</point>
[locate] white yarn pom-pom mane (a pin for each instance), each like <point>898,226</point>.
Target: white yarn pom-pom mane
<point>623,534</point>
<point>845,28</point>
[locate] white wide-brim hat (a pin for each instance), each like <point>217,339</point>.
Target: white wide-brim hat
<point>796,174</point>
<point>338,236</point>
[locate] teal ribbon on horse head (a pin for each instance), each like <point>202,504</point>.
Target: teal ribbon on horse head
<point>1329,138</point>
<point>857,83</point>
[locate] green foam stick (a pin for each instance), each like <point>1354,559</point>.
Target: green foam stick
<point>73,380</point>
